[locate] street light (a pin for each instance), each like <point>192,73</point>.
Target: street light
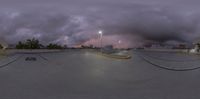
<point>100,32</point>
<point>119,42</point>
<point>101,35</point>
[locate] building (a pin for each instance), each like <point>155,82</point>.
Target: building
<point>108,49</point>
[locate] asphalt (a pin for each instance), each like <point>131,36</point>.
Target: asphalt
<point>81,74</point>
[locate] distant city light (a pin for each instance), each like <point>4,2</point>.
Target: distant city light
<point>119,41</point>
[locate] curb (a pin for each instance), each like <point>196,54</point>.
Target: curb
<point>115,56</point>
<point>165,67</point>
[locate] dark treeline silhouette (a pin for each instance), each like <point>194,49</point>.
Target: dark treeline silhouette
<point>54,46</point>
<point>35,44</point>
<point>29,44</point>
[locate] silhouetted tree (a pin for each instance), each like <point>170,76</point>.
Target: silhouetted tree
<point>32,44</point>
<point>1,47</point>
<point>65,46</point>
<point>20,45</point>
<point>54,46</point>
<point>29,44</point>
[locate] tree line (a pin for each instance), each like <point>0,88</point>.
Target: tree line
<point>35,44</point>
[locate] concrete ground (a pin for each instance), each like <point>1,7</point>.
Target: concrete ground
<point>2,55</point>
<point>80,74</point>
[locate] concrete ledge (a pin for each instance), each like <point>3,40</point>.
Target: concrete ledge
<point>24,51</point>
<point>167,50</point>
<point>115,56</point>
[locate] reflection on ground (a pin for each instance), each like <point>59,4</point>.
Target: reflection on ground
<point>81,74</point>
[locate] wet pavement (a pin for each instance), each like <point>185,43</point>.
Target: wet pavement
<point>81,74</point>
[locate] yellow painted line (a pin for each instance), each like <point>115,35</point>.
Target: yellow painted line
<point>114,56</point>
<point>103,57</point>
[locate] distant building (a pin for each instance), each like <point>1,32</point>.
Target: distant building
<point>158,46</point>
<point>11,46</point>
<point>181,46</point>
<point>108,49</point>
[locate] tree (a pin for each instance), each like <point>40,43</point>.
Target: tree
<point>20,45</point>
<point>1,47</point>
<point>65,46</point>
<point>54,46</point>
<point>32,44</point>
<point>29,44</point>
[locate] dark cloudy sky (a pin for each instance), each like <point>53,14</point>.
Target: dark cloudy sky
<point>75,22</point>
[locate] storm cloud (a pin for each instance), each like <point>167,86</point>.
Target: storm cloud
<point>76,22</point>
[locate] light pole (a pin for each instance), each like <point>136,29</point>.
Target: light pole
<point>101,35</point>
<point>119,42</point>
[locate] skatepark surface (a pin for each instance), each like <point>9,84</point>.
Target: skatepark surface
<point>82,74</point>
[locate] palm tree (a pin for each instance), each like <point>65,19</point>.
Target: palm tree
<point>29,44</point>
<point>32,44</point>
